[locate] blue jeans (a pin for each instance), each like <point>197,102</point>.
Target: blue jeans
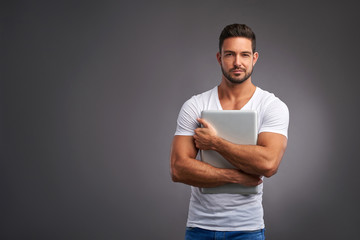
<point>203,234</point>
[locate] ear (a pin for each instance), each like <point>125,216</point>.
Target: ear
<point>218,57</point>
<point>255,57</point>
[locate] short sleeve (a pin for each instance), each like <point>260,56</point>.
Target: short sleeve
<point>276,118</point>
<point>186,122</point>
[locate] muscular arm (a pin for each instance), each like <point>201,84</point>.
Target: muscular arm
<point>262,159</point>
<point>186,169</point>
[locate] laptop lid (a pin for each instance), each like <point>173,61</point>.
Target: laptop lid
<point>236,126</point>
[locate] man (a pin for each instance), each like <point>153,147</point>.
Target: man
<point>232,216</point>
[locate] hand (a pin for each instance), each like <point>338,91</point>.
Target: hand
<point>247,179</point>
<point>205,137</point>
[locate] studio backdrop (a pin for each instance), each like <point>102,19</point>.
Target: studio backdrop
<point>91,90</point>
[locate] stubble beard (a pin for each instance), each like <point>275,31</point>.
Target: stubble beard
<point>234,80</point>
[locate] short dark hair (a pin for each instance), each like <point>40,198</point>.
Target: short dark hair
<point>237,30</point>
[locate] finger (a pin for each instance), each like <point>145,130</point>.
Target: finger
<point>196,144</point>
<point>197,132</point>
<point>203,122</point>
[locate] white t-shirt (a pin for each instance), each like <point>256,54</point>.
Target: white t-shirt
<point>230,212</point>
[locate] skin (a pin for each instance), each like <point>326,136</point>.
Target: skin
<point>237,61</point>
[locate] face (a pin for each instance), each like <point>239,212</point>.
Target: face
<point>237,59</point>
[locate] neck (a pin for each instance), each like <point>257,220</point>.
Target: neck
<point>231,91</point>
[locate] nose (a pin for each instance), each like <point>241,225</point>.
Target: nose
<point>237,62</point>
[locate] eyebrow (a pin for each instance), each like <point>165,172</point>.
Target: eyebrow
<point>229,51</point>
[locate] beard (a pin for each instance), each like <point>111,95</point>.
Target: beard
<point>236,80</point>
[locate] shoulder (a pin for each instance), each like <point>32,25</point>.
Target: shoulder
<point>205,96</point>
<point>200,100</point>
<point>274,113</point>
<point>266,97</point>
<point>268,100</point>
<point>190,111</point>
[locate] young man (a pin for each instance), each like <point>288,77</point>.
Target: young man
<point>230,215</point>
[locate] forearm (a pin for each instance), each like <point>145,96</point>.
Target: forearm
<point>200,174</point>
<point>252,159</point>
<point>186,169</point>
<point>196,173</point>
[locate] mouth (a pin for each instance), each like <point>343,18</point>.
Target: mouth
<point>238,71</point>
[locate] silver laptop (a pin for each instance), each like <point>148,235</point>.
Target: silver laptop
<point>236,126</point>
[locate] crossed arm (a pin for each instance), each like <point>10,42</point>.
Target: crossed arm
<point>251,161</point>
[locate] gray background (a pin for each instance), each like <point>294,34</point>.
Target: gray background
<point>90,94</point>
